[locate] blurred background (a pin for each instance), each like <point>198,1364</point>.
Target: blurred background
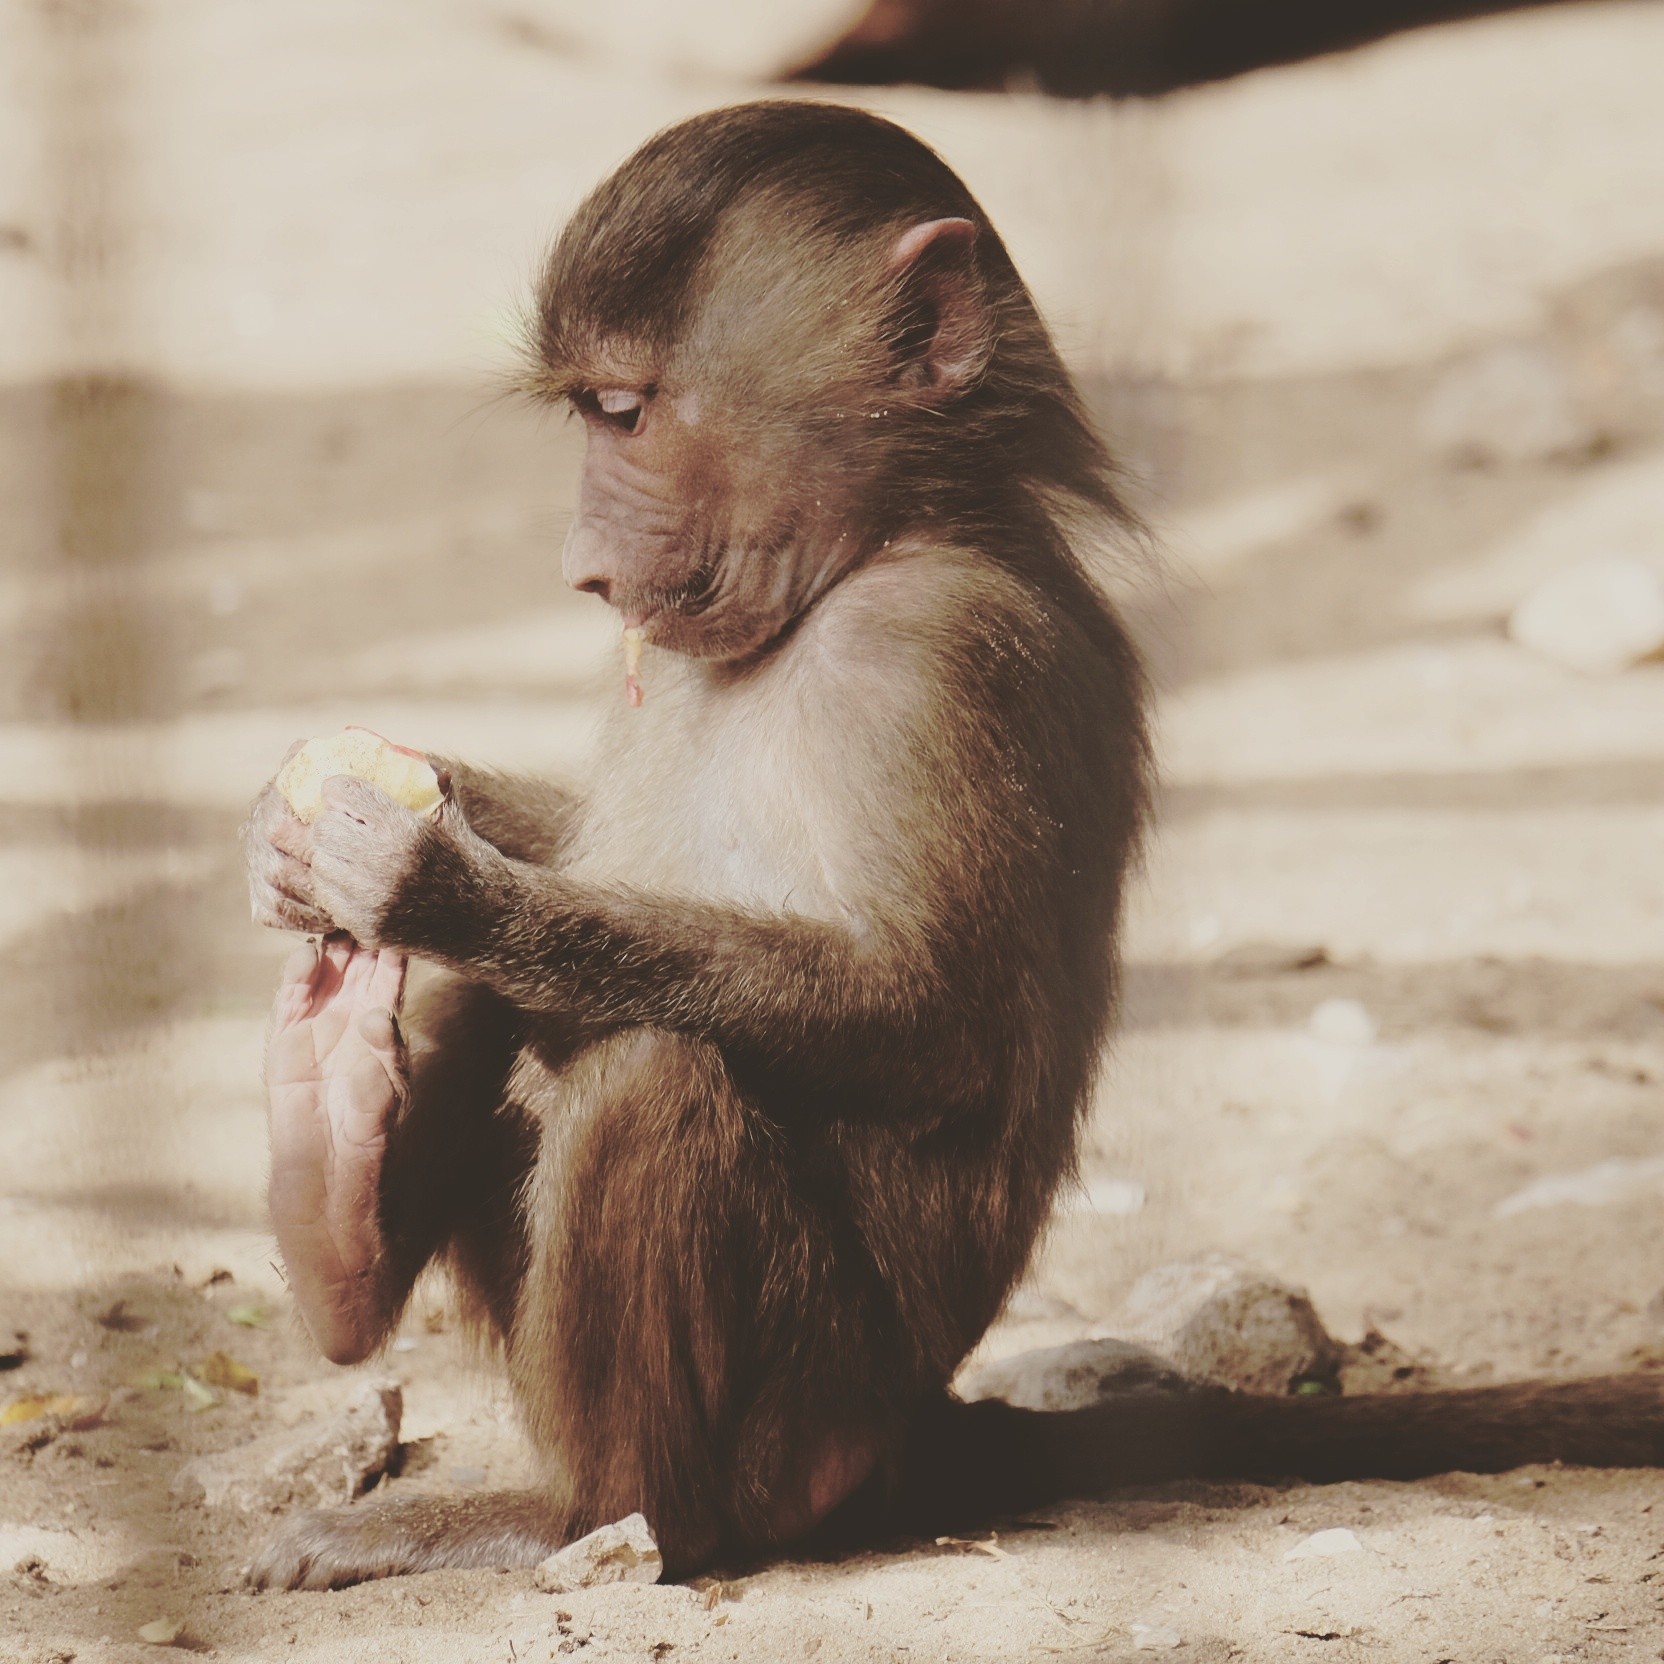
<point>1370,302</point>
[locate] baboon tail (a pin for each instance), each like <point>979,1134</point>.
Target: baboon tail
<point>971,1461</point>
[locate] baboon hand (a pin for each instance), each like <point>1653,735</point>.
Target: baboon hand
<point>277,851</point>
<point>369,854</point>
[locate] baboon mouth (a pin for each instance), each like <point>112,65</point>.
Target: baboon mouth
<point>697,594</point>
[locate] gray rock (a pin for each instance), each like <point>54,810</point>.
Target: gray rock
<point>1220,1322</point>
<point>323,1462</point>
<point>622,1553</point>
<point>1511,403</point>
<point>1071,1377</point>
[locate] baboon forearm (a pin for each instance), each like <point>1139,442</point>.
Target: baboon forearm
<point>780,990</point>
<point>528,819</point>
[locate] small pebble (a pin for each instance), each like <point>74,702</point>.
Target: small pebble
<point>163,1632</point>
<point>1154,1637</point>
<point>625,1552</point>
<point>1342,1022</point>
<point>1115,1198</point>
<point>1323,1545</point>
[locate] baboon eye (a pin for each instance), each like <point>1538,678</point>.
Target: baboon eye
<point>619,407</point>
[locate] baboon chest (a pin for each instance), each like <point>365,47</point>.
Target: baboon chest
<point>717,801</point>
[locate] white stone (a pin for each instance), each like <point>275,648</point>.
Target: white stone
<point>1115,1198</point>
<point>1599,617</point>
<point>1342,1022</point>
<point>1324,1545</point>
<point>622,1553</point>
<point>1154,1637</point>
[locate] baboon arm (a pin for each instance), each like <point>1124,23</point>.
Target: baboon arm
<point>528,819</point>
<point>780,992</point>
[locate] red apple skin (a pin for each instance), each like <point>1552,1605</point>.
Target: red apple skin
<point>392,745</point>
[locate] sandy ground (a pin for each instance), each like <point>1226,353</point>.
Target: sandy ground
<point>294,503</point>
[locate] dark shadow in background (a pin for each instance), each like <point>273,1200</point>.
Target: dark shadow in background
<point>1127,48</point>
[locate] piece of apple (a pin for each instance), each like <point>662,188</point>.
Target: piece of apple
<point>635,638</point>
<point>405,775</point>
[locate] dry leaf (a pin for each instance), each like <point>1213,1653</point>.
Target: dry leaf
<point>991,1547</point>
<point>220,1369</point>
<point>197,1395</point>
<point>30,1408</point>
<point>67,1407</point>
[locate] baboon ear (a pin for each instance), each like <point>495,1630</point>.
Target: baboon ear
<point>942,334</point>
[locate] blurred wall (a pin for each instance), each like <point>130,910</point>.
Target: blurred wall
<point>355,192</point>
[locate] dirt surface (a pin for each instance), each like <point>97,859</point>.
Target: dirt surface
<point>1370,795</point>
